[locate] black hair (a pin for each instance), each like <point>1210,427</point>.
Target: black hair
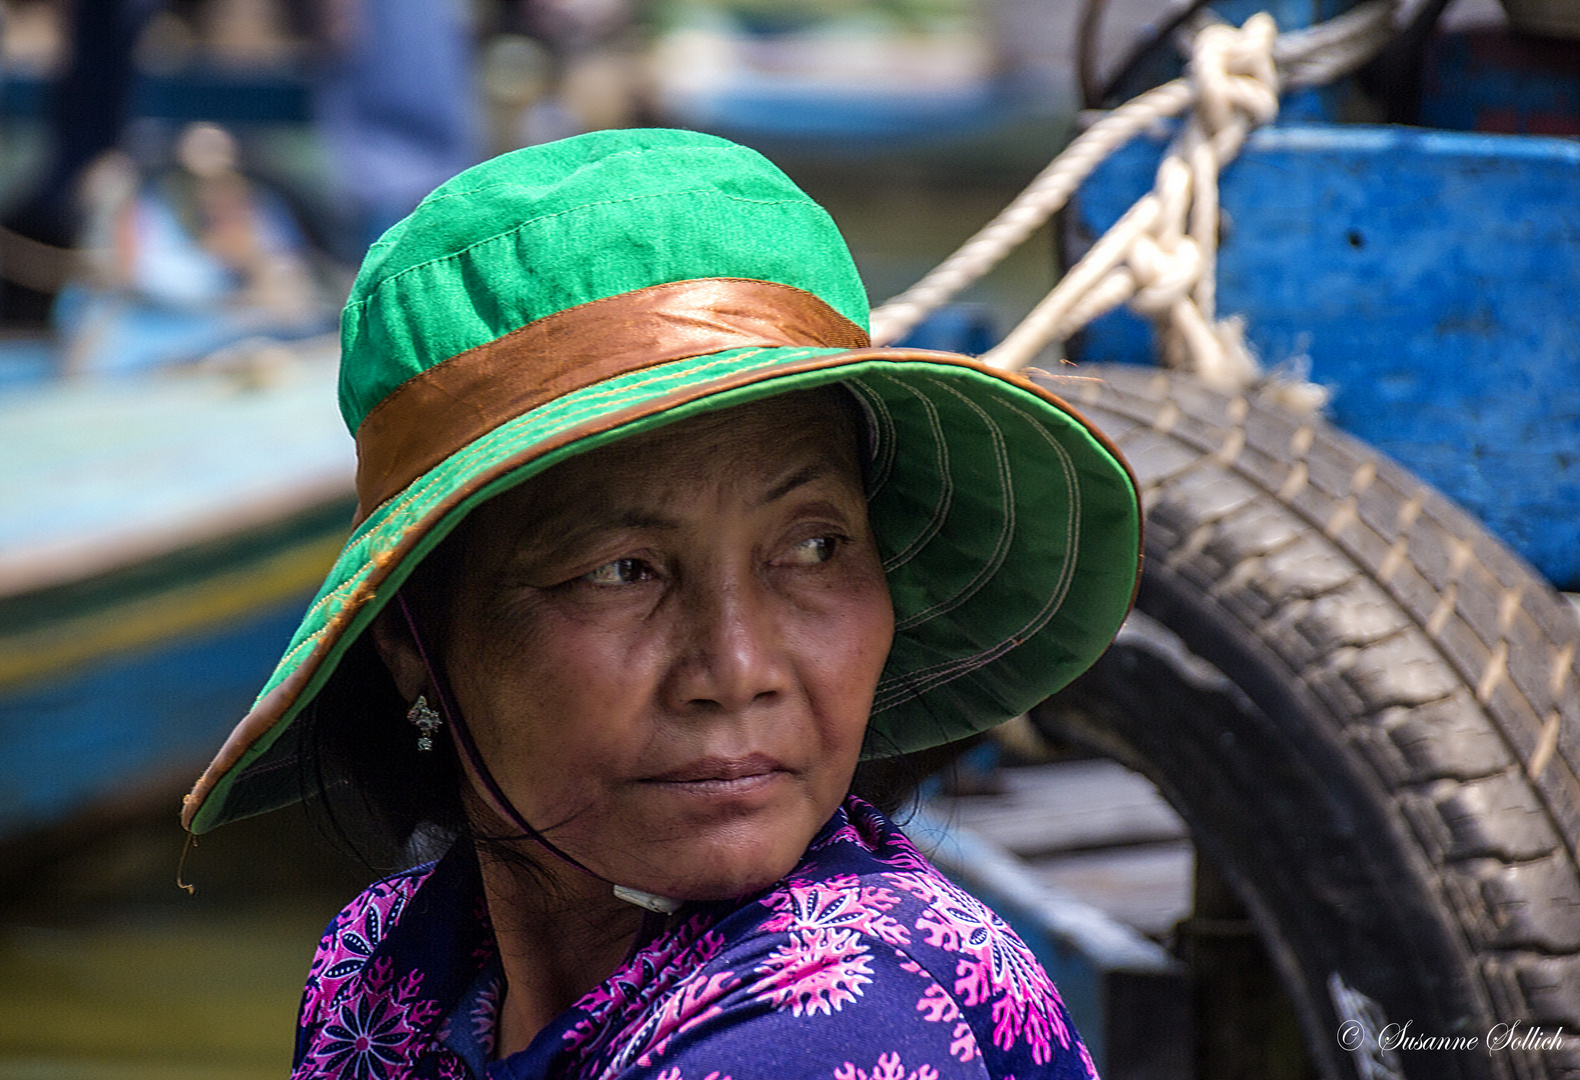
<point>379,794</point>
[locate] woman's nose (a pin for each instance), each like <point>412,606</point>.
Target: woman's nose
<point>730,651</point>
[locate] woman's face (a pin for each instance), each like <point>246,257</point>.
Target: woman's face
<point>667,648</point>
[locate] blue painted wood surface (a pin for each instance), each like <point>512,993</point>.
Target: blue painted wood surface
<point>804,118</point>
<point>1432,280</point>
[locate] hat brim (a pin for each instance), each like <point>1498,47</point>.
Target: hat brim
<point>1008,526</point>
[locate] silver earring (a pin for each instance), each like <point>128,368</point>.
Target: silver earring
<point>427,721</point>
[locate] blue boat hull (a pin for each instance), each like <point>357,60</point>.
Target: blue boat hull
<point>149,715</point>
<point>166,532</point>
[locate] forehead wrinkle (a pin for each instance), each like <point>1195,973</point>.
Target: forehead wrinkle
<point>801,477</point>
<point>626,486</point>
<point>564,527</point>
<point>566,524</point>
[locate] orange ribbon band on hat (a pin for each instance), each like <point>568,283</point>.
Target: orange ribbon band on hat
<point>442,410</point>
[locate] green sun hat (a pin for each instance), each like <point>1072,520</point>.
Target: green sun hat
<point>566,296</point>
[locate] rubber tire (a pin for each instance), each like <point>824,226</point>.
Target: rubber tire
<point>1367,710</point>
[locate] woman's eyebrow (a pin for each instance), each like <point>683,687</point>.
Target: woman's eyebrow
<point>803,476</point>
<point>635,519</point>
<point>543,542</point>
<point>629,519</point>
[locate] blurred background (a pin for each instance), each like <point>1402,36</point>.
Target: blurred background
<point>186,188</point>
<point>185,191</point>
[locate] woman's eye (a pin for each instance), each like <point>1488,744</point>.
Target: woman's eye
<point>619,572</point>
<point>813,550</point>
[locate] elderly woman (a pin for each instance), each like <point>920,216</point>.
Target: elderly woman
<point>652,549</point>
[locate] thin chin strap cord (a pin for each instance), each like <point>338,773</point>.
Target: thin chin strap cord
<point>655,908</point>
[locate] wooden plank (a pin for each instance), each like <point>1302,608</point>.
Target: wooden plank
<point>163,534</point>
<point>1148,887</point>
<point>101,730</point>
<point>1067,806</point>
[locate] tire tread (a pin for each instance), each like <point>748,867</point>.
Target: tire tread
<point>1449,657</point>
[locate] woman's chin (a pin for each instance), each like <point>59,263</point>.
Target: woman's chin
<point>734,888</point>
<point>722,875</point>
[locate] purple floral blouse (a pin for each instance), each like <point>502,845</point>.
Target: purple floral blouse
<point>865,963</point>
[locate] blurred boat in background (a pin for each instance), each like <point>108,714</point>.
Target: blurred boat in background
<point>161,537</point>
<point>852,73</point>
<point>174,477</point>
<point>175,482</point>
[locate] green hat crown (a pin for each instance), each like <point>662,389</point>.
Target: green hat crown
<point>546,228</point>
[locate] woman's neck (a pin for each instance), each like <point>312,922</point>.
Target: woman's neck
<point>561,932</point>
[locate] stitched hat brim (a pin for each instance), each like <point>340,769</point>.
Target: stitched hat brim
<point>1009,530</point>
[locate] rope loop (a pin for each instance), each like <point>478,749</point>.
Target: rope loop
<point>1161,255</point>
<point>1233,73</point>
<point>1163,278</point>
<point>1165,266</point>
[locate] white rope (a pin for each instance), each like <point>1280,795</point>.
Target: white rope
<point>1046,194</point>
<point>1160,256</point>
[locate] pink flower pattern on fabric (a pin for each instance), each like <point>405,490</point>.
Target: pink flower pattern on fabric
<point>888,1067</point>
<point>651,972</point>
<point>815,971</point>
<point>369,1035</point>
<point>863,950</point>
<point>696,1001</point>
<point>353,938</point>
<point>993,965</point>
<point>842,903</point>
<point>939,1008</point>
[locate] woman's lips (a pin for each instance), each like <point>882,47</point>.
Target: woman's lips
<point>721,775</point>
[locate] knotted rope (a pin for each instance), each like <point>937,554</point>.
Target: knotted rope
<point>1160,256</point>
